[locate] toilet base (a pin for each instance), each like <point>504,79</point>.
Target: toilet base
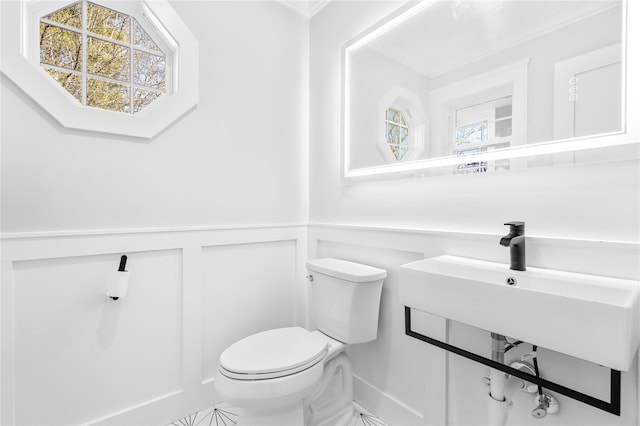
<point>345,417</point>
<point>332,402</point>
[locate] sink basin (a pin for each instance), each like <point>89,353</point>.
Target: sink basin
<point>586,316</point>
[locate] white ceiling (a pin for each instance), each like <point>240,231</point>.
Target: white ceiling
<point>450,34</point>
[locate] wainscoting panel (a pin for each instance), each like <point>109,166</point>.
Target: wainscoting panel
<point>242,283</point>
<point>391,373</point>
<point>81,355</point>
<point>72,356</point>
<point>391,363</point>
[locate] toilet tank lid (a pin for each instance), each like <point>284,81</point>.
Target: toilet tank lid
<point>345,270</point>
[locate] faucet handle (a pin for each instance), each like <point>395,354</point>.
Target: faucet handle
<point>516,226</point>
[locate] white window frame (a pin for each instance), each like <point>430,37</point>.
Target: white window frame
<point>21,63</point>
<point>510,79</point>
<point>492,142</point>
<point>161,40</point>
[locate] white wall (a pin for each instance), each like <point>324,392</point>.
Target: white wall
<point>581,218</point>
<point>238,158</point>
<point>208,212</point>
<point>375,76</point>
<point>567,42</point>
<point>593,201</point>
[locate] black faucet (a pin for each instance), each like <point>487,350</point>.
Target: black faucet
<point>515,241</point>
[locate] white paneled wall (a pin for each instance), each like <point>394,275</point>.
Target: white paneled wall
<point>392,365</point>
<point>408,382</point>
<point>73,356</point>
<point>256,292</point>
<point>72,344</point>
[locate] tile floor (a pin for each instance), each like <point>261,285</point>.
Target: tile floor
<point>223,414</point>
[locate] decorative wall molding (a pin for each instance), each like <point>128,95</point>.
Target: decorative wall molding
<point>600,257</point>
<point>90,232</point>
<point>208,258</point>
<point>630,245</point>
<point>172,278</point>
<point>306,8</point>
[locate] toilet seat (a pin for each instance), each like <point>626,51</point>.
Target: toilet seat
<point>272,354</point>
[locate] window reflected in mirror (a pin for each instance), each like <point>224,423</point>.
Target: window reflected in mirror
<point>485,76</point>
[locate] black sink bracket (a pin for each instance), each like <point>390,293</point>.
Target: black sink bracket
<point>612,407</point>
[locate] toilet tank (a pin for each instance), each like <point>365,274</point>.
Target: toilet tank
<point>346,299</point>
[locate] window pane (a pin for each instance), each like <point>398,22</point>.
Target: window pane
<point>398,139</point>
<point>71,16</point>
<point>396,116</point>
<point>107,55</point>
<point>60,47</point>
<point>108,23</point>
<point>404,137</point>
<point>472,133</point>
<point>71,82</point>
<point>503,127</point>
<point>107,59</point>
<point>142,98</point>
<point>474,167</point>
<point>503,111</point>
<point>107,95</point>
<point>142,39</point>
<point>395,151</point>
<point>149,70</point>
<point>401,119</point>
<point>390,113</point>
<point>392,135</point>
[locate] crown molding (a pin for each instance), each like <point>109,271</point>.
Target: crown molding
<point>306,8</point>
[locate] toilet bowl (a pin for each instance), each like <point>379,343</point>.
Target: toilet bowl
<point>271,369</point>
<point>274,372</point>
<point>294,377</point>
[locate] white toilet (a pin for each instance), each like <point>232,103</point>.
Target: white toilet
<point>292,376</point>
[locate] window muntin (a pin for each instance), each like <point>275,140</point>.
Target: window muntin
<point>481,128</point>
<point>397,132</point>
<point>21,64</point>
<point>472,133</point>
<point>89,50</point>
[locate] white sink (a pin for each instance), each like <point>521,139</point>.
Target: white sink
<point>586,316</point>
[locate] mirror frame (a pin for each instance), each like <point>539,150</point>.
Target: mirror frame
<point>629,134</point>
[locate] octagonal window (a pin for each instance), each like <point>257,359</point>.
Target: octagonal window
<point>103,57</point>
<point>397,132</point>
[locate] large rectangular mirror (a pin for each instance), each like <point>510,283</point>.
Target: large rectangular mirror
<point>475,86</point>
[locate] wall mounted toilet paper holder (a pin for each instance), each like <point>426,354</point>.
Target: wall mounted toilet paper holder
<point>121,268</point>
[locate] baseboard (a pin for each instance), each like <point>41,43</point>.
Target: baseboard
<point>385,406</point>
